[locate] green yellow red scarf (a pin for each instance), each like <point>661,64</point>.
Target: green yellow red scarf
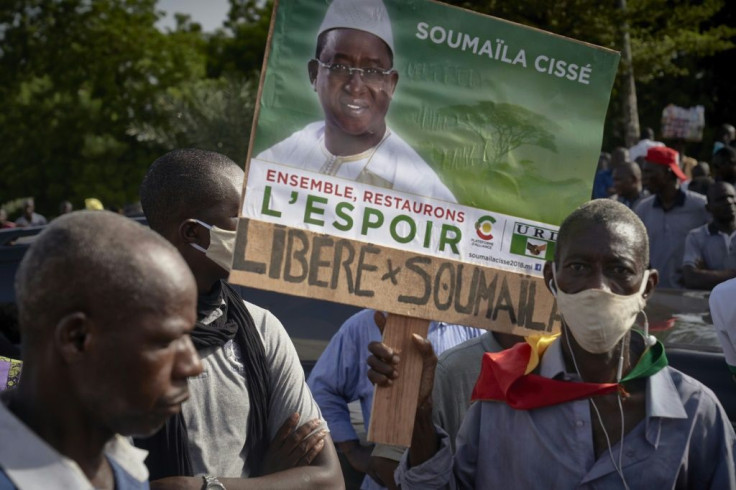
<point>507,376</point>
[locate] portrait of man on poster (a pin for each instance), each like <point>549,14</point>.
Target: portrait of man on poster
<point>354,77</point>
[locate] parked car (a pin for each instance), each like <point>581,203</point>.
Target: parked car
<point>681,319</point>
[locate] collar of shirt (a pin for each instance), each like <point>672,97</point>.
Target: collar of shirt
<point>662,398</point>
<point>30,462</point>
<point>679,199</point>
<point>713,230</point>
<point>334,162</point>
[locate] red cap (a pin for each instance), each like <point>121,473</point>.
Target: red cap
<point>661,155</point>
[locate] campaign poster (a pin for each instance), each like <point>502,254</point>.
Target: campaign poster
<point>430,133</point>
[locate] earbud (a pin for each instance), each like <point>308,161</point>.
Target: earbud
<point>649,340</point>
<point>552,288</point>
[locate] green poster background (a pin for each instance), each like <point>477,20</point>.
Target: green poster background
<point>461,111</point>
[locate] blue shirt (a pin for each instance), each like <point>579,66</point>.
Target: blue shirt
<point>715,249</point>
<point>685,442</point>
<point>27,462</point>
<point>341,373</point>
<point>123,480</point>
<point>667,231</point>
<point>601,183</point>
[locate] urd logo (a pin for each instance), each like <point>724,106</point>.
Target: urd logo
<point>533,241</point>
<point>483,227</point>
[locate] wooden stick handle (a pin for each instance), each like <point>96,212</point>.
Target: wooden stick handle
<point>394,407</point>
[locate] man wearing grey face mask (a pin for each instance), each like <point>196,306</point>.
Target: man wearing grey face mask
<point>601,409</point>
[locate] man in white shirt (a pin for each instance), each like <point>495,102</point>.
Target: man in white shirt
<point>353,75</point>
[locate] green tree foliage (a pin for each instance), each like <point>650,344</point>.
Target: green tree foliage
<point>669,41</point>
<point>74,75</point>
<point>92,91</point>
<point>212,114</point>
<point>239,47</point>
<point>663,32</point>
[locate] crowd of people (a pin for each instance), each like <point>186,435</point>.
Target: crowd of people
<point>153,343</point>
<point>141,363</point>
<point>689,212</point>
<point>28,216</point>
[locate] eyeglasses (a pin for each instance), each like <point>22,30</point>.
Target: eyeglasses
<point>342,72</point>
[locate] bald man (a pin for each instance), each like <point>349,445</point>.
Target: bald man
<point>601,408</point>
<point>710,250</point>
<point>627,183</point>
<point>105,309</point>
<point>353,75</point>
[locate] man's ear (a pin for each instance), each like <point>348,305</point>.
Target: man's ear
<point>652,282</point>
<point>72,335</point>
<point>548,277</point>
<point>192,232</point>
<point>312,68</point>
<point>393,80</point>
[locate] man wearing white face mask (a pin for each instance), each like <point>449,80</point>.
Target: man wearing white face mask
<point>598,407</point>
<point>251,421</point>
<point>220,249</point>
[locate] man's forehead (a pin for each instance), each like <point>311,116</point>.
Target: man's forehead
<point>590,237</point>
<point>164,283</point>
<point>720,189</point>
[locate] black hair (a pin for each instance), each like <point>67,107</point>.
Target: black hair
<point>723,130</point>
<point>647,134</point>
<point>604,212</point>
<point>724,156</point>
<point>712,188</point>
<point>85,260</point>
<point>182,181</point>
<point>700,185</point>
<point>633,169</point>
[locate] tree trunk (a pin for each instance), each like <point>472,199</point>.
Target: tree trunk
<point>630,116</point>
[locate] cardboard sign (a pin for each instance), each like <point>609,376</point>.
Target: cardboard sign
<point>284,259</point>
<point>418,159</point>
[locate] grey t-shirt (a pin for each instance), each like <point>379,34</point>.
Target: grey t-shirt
<point>457,371</point>
<point>216,415</point>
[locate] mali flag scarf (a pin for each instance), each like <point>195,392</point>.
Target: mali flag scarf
<point>507,376</point>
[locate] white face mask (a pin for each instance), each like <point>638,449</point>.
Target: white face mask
<point>222,244</point>
<point>596,318</point>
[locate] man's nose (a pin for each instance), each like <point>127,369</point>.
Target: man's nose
<point>598,280</point>
<point>188,363</point>
<point>355,82</point>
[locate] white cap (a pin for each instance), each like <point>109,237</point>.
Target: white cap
<point>364,15</point>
